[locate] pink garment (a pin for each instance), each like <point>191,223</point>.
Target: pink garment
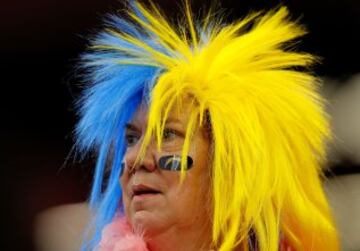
<point>119,236</point>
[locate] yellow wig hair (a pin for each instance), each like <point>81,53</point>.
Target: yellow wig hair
<point>267,120</point>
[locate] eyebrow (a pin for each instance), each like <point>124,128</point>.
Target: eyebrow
<point>132,127</point>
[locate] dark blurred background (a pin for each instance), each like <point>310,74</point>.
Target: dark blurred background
<point>40,42</point>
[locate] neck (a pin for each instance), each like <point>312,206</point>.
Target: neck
<point>190,238</point>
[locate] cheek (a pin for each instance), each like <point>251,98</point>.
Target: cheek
<point>125,197</point>
<point>123,182</point>
<point>197,188</point>
<point>190,200</point>
<point>122,179</point>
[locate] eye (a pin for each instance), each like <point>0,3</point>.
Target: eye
<point>170,134</point>
<point>131,139</point>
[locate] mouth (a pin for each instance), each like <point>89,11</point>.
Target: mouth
<point>143,190</point>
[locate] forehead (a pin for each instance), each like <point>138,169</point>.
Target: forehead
<point>179,114</point>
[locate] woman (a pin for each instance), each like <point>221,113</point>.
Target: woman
<point>213,135</point>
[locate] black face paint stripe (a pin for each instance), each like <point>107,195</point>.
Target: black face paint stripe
<point>168,163</point>
<point>122,168</point>
<point>173,163</point>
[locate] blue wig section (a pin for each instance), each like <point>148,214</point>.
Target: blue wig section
<point>108,102</point>
<point>106,203</point>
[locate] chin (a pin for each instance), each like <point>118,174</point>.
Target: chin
<point>147,223</point>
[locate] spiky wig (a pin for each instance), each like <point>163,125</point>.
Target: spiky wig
<point>267,121</point>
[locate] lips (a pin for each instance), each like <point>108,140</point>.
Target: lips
<point>142,190</point>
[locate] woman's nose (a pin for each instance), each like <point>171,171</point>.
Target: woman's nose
<point>134,162</point>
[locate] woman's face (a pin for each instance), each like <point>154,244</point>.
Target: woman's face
<point>154,200</point>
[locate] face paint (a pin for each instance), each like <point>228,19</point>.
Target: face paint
<point>169,163</point>
<point>173,163</point>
